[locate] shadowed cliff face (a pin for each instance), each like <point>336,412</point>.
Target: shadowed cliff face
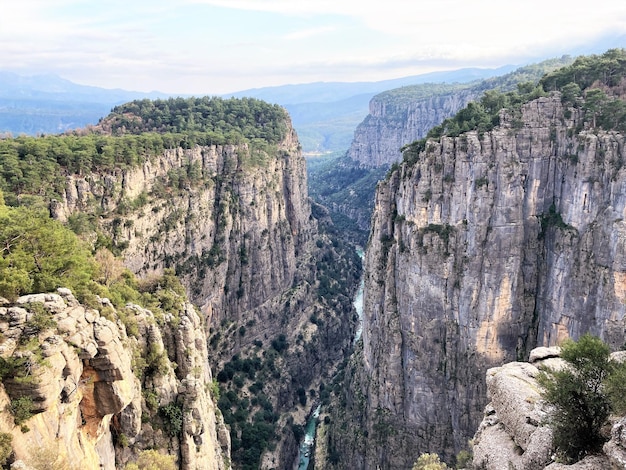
<point>236,224</point>
<point>378,139</point>
<point>487,246</point>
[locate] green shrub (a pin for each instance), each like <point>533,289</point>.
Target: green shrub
<point>577,395</point>
<point>429,462</point>
<point>616,387</point>
<point>157,363</point>
<point>22,409</point>
<point>40,254</point>
<point>172,415</point>
<point>152,399</point>
<point>463,459</point>
<point>41,319</point>
<point>152,460</point>
<point>6,448</point>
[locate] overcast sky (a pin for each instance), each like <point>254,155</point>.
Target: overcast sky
<point>219,46</point>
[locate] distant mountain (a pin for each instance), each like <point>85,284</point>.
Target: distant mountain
<point>54,88</point>
<point>48,104</point>
<point>326,92</point>
<point>325,114</point>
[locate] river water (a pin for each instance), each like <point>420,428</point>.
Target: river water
<point>306,447</point>
<point>309,438</point>
<point>358,302</point>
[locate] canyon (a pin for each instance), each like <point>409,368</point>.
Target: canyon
<point>273,287</point>
<point>484,245</point>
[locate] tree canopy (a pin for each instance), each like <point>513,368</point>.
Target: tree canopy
<point>248,118</point>
<point>608,69</point>
<point>39,254</point>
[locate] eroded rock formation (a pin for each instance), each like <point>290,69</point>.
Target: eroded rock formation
<point>76,373</point>
<point>515,432</point>
<point>484,248</point>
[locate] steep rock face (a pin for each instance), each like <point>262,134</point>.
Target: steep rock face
<point>487,246</point>
<point>235,222</point>
<point>73,370</point>
<point>512,433</point>
<point>388,127</point>
<point>213,212</point>
<point>175,380</point>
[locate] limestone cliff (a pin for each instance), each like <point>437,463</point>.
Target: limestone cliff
<point>236,224</point>
<point>485,247</point>
<point>400,116</point>
<point>391,124</point>
<point>71,396</point>
<point>214,212</point>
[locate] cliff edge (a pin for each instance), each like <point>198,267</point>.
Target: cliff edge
<point>75,392</point>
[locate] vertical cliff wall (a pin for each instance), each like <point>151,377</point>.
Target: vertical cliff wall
<point>485,247</point>
<point>235,223</point>
<point>391,124</point>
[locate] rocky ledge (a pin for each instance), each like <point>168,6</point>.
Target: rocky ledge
<point>75,391</point>
<point>514,433</point>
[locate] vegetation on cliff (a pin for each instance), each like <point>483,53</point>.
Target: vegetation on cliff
<point>583,395</point>
<point>247,381</point>
<point>34,168</point>
<point>593,83</point>
<point>40,254</point>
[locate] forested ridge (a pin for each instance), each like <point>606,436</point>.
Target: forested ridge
<point>230,119</point>
<point>395,101</point>
<point>593,83</point>
<point>131,134</point>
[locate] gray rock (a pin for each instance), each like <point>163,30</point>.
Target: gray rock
<point>615,448</point>
<point>542,353</point>
<point>593,462</point>
<point>485,247</point>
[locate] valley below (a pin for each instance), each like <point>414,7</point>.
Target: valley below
<point>181,289</point>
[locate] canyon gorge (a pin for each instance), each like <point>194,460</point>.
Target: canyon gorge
<point>231,316</point>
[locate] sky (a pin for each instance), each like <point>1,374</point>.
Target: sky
<point>220,46</point>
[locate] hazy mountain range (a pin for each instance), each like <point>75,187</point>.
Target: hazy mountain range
<point>325,114</point>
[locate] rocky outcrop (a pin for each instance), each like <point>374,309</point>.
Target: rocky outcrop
<point>515,432</point>
<point>485,247</point>
<point>390,124</point>
<point>70,392</point>
<point>512,433</point>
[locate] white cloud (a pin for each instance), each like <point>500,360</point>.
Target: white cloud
<point>460,28</point>
<point>312,32</point>
<point>185,41</point>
